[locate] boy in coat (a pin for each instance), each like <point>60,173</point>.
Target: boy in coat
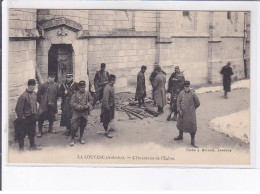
<point>81,104</point>
<point>26,110</point>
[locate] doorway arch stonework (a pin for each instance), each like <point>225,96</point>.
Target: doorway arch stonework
<point>62,31</point>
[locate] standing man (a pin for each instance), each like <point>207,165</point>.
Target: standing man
<point>159,91</point>
<point>65,92</point>
<point>81,103</point>
<point>187,103</point>
<point>141,89</point>
<point>226,71</point>
<point>100,81</point>
<point>175,85</point>
<point>47,97</point>
<point>108,104</point>
<point>26,110</point>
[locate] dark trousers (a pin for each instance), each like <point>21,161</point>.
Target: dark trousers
<point>191,134</point>
<point>107,116</point>
<point>47,115</point>
<point>80,122</point>
<point>27,127</point>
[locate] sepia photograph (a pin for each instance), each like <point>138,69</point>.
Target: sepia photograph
<point>128,87</point>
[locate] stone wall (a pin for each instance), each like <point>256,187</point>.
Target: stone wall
<point>79,16</point>
<point>124,58</point>
<point>22,53</point>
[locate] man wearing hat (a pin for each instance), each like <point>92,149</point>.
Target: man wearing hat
<point>141,89</point>
<point>81,104</point>
<point>47,97</point>
<point>100,81</point>
<point>175,85</point>
<point>108,104</point>
<point>187,103</point>
<point>156,70</point>
<point>226,71</point>
<point>159,91</point>
<point>26,110</point>
<point>65,92</point>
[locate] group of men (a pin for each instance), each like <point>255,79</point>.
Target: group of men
<point>77,102</point>
<point>183,100</point>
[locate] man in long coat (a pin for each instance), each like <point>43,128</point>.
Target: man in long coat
<point>81,103</point>
<point>187,103</point>
<point>159,91</point>
<point>100,81</point>
<point>26,110</point>
<point>47,97</point>
<point>153,75</point>
<point>226,71</point>
<point>175,85</point>
<point>141,88</point>
<point>65,92</point>
<point>108,104</point>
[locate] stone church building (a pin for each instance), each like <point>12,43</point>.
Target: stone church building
<point>78,41</point>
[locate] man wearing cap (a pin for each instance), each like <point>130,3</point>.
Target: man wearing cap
<point>175,85</point>
<point>26,110</point>
<point>141,89</point>
<point>159,91</point>
<point>108,104</point>
<point>81,104</point>
<point>47,97</point>
<point>65,92</point>
<point>100,81</point>
<point>187,103</point>
<point>226,71</point>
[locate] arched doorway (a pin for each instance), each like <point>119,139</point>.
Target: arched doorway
<point>60,61</point>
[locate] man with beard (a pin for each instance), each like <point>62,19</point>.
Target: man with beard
<point>175,85</point>
<point>47,97</point>
<point>81,104</point>
<point>26,110</point>
<point>100,81</point>
<point>65,92</point>
<point>108,104</point>
<point>187,103</point>
<point>141,89</point>
<point>226,71</point>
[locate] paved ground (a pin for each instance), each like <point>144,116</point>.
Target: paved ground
<point>158,130</point>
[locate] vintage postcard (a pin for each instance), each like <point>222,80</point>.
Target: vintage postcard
<point>129,87</point>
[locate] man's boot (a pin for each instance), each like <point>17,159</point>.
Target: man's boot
<point>107,132</point>
<point>39,134</point>
<point>72,142</point>
<point>175,117</point>
<point>193,140</point>
<point>21,145</point>
<point>169,116</point>
<point>180,136</point>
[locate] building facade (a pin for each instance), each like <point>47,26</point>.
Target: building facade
<point>77,41</point>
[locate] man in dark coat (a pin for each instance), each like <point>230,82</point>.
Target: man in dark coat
<point>153,75</point>
<point>26,110</point>
<point>187,103</point>
<point>175,85</point>
<point>65,92</point>
<point>81,103</point>
<point>226,71</point>
<point>47,97</point>
<point>159,91</point>
<point>140,88</point>
<point>100,81</point>
<point>108,104</point>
